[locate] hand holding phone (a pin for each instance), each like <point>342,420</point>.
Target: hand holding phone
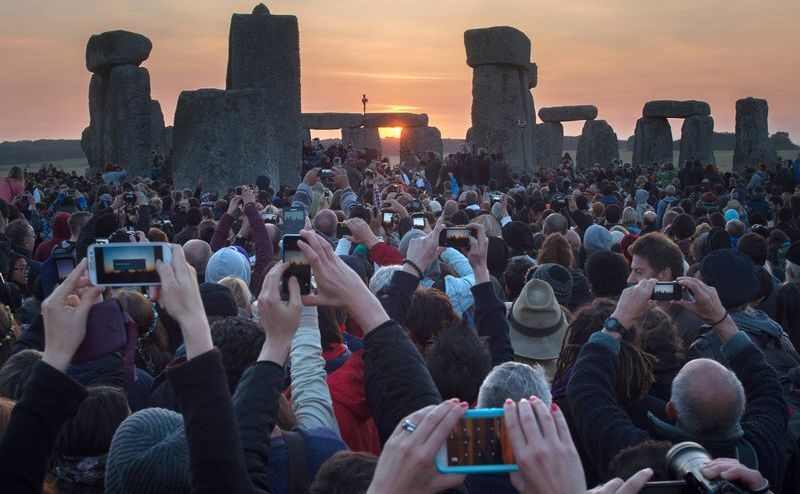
<point>418,221</point>
<point>478,444</point>
<point>128,264</point>
<point>298,266</point>
<point>667,290</point>
<point>294,220</point>
<point>457,237</point>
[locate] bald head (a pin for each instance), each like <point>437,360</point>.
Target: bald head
<point>555,223</point>
<point>707,399</point>
<point>197,253</point>
<point>573,238</point>
<point>650,217</point>
<point>325,222</point>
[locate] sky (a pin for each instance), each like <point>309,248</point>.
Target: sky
<point>409,56</point>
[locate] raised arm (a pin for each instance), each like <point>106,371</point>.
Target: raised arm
<point>220,237</point>
<point>262,243</point>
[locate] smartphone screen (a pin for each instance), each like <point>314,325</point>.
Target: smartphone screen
<point>64,266</point>
<point>418,222</point>
<point>270,218</point>
<point>388,217</point>
<point>456,237</point>
<point>294,220</point>
<point>298,266</point>
<point>479,441</point>
<point>126,264</point>
<point>667,290</point>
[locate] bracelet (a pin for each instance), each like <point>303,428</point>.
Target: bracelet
<point>411,263</point>
<point>721,320</point>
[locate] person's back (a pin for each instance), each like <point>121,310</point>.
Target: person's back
<point>317,444</point>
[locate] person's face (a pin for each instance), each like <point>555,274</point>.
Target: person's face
<point>642,270</point>
<point>19,273</point>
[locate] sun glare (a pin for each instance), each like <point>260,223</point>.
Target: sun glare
<point>390,132</point>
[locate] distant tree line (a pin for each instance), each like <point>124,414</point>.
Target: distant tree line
<point>41,151</point>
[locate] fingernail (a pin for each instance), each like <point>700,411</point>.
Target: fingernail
<point>509,401</point>
<point>455,400</point>
<point>463,404</point>
<point>534,398</point>
<point>553,407</point>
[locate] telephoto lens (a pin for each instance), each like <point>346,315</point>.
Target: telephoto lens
<point>684,461</point>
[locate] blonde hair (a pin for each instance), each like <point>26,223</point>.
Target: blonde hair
<point>241,292</point>
<point>490,225</point>
<point>629,217</point>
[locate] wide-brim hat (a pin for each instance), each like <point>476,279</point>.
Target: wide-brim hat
<point>537,323</point>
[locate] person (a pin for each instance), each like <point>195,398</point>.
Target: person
<point>654,255</point>
<point>12,185</point>
<point>667,202</point>
<point>709,410</point>
<point>23,239</point>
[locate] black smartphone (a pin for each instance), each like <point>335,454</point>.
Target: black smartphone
<point>342,230</point>
<point>667,290</point>
<point>298,266</point>
<point>457,237</point>
<point>238,191</point>
<point>64,266</point>
<point>294,220</point>
<point>326,174</point>
<point>270,218</point>
<point>418,222</point>
<point>496,198</point>
<point>388,218</point>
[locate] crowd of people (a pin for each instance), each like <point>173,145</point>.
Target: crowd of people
<point>228,379</point>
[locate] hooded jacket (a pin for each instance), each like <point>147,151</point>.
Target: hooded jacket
<point>641,202</point>
<point>60,233</point>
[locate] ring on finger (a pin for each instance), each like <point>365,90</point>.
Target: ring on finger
<point>409,426</point>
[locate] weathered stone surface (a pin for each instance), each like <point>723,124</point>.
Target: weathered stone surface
<point>127,135</point>
<point>168,133</point>
<point>362,138</point>
<point>652,141</point>
<point>92,137</point>
<point>500,45</point>
<point>225,136</point>
<point>567,113</point>
<point>597,144</point>
<point>421,140</point>
<point>111,48</point>
<point>330,121</point>
<point>675,109</point>
<point>305,135</point>
<point>533,75</point>
<point>752,134</point>
<point>503,116</point>
<point>157,136</point>
<point>697,133</point>
<point>549,144</point>
<point>396,120</point>
<point>264,53</point>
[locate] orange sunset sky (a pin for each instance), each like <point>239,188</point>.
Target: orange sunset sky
<point>408,55</point>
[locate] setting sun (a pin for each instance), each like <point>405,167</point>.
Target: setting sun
<point>393,132</point>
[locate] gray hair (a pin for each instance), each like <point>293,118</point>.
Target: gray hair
<point>692,412</point>
<point>516,381</point>
<point>382,277</point>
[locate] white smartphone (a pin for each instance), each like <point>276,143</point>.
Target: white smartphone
<point>127,264</point>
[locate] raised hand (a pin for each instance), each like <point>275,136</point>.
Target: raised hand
<point>634,303</point>
<point>248,197</point>
<point>361,233</point>
<point>340,178</point>
<point>65,313</point>
<point>278,318</point>
<point>478,249</point>
<point>311,177</point>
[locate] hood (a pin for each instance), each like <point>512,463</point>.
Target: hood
<point>756,321</point>
<point>642,196</point>
<point>61,226</point>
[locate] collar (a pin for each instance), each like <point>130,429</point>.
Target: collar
<point>675,434</point>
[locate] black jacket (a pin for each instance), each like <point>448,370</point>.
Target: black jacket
<point>606,429</point>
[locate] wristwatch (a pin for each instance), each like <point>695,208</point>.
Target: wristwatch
<point>612,325</point>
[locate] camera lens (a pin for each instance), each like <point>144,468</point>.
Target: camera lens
<point>684,458</point>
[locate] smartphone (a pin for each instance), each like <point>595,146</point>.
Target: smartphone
<point>238,191</point>
<point>326,174</point>
<point>667,290</point>
<point>388,218</point>
<point>456,237</point>
<point>270,218</point>
<point>418,222</point>
<point>64,266</point>
<point>342,230</point>
<point>496,198</point>
<point>478,444</point>
<point>294,220</point>
<point>126,264</point>
<point>298,266</point>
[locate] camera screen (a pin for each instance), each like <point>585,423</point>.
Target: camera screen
<point>419,222</point>
<point>388,217</point>
<point>298,265</point>
<point>294,219</point>
<point>455,237</point>
<point>667,291</point>
<point>127,263</point>
<point>64,266</point>
<point>479,441</point>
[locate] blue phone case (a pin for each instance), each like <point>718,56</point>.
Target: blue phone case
<point>441,456</point>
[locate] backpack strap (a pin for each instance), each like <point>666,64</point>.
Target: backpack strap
<point>298,462</point>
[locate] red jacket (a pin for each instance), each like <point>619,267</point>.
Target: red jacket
<point>350,406</point>
<point>60,233</point>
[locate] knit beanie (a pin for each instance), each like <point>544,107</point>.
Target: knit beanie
<point>596,238</point>
<point>218,300</point>
<point>733,274</point>
<point>616,237</point>
<point>149,454</point>
<point>227,262</point>
<point>558,278</point>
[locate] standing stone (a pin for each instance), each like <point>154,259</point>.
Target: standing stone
<point>92,138</point>
<point>157,135</point>
<point>549,144</point>
<point>598,143</point>
<point>421,140</point>
<point>567,113</point>
<point>168,134</point>
<point>697,134</point>
<point>503,115</point>
<point>224,136</point>
<point>752,134</point>
<point>362,138</point>
<point>306,137</point>
<point>652,141</point>
<point>331,121</point>
<point>533,75</point>
<point>106,50</point>
<point>395,120</point>
<point>127,135</point>
<point>264,53</point>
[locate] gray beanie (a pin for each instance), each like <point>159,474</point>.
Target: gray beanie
<point>227,262</point>
<point>149,454</point>
<point>596,238</point>
<point>559,278</point>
